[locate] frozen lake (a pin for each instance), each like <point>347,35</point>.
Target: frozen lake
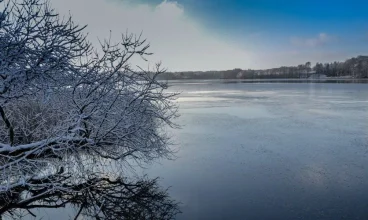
<point>270,151</point>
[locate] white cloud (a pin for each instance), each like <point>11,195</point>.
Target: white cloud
<point>320,40</point>
<point>176,40</point>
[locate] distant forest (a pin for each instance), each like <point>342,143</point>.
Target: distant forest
<point>356,67</point>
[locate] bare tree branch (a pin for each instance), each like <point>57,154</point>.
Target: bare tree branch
<point>73,117</point>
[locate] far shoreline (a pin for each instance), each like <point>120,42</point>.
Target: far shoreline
<point>284,80</point>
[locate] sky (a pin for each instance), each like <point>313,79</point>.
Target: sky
<point>191,35</point>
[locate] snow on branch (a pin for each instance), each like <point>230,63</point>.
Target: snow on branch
<point>72,116</point>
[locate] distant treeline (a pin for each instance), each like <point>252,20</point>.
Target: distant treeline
<point>356,67</point>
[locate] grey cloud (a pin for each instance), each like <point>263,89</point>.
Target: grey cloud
<point>176,39</point>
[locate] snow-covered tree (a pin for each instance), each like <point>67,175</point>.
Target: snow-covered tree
<point>73,116</point>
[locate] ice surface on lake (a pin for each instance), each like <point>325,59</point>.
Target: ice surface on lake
<point>270,151</point>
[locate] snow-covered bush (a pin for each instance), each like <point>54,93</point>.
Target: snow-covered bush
<point>72,116</point>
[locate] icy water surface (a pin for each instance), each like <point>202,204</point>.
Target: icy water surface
<point>270,151</point>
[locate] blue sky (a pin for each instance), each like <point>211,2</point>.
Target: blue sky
<point>247,33</point>
<point>256,15</point>
<point>279,20</point>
